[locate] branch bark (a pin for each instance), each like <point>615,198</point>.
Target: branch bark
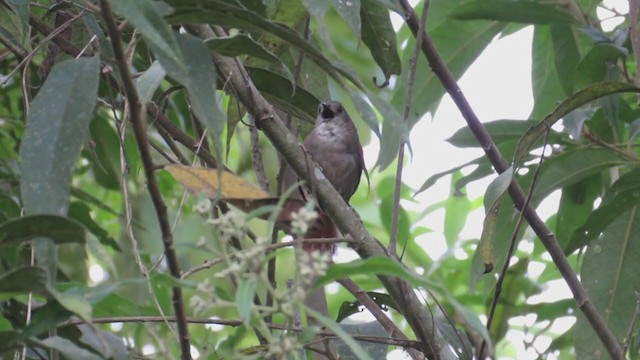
<point>515,191</point>
<point>136,118</point>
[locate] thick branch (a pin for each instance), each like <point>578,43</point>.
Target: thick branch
<point>135,114</point>
<point>420,320</point>
<point>517,194</point>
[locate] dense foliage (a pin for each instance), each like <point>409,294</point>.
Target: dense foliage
<point>105,253</point>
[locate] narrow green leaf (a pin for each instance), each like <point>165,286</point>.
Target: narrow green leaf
<point>609,274</point>
<point>349,11</point>
<point>148,82</point>
<point>73,300</point>
<point>547,91</point>
<point>580,98</point>
<point>21,9</point>
<point>522,11</point>
<point>81,212</point>
<point>570,167</point>
<point>66,348</point>
<point>59,229</point>
<point>244,296</point>
<point>47,317</point>
<point>200,81</point>
<point>226,14</point>
<point>593,67</point>
<point>500,131</point>
<point>242,44</point>
<point>619,198</point>
<point>566,54</point>
<point>576,204</point>
<point>497,188</point>
<point>357,350</point>
<point>276,89</point>
<point>376,266</point>
<point>104,155</point>
<point>435,177</point>
<point>457,208</point>
<point>373,349</point>
<point>149,22</point>
<point>57,125</point>
<point>379,36</point>
<point>24,279</point>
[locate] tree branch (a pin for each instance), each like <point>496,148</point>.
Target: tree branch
<point>420,320</point>
<point>517,194</point>
<point>135,115</point>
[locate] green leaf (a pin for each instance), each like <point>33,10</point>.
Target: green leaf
<point>457,208</point>
<point>75,301</point>
<point>244,296</point>
<point>567,55</point>
<point>497,188</point>
<point>149,22</point>
<point>82,212</point>
<point>500,131</point>
<point>576,204</point>
<point>349,11</point>
<point>570,167</point>
<point>380,38</point>
<point>375,350</point>
<point>57,125</point>
<point>227,14</point>
<point>593,67</point>
<point>547,91</point>
<point>375,266</point>
<point>24,279</point>
<point>522,11</point>
<point>242,44</point>
<point>45,318</point>
<point>619,198</point>
<point>104,155</point>
<point>276,89</point>
<point>21,10</point>
<point>200,81</point>
<point>66,348</point>
<point>580,98</point>
<point>148,82</point>
<point>357,350</point>
<point>609,274</point>
<point>59,229</point>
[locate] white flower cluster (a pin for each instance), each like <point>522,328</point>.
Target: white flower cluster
<point>312,265</point>
<point>203,206</point>
<point>229,225</point>
<point>246,263</point>
<point>283,347</point>
<point>302,220</point>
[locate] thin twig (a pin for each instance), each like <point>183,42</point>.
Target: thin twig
<point>512,245</point>
<point>135,114</point>
<point>518,196</point>
<point>192,320</point>
<point>632,325</point>
<point>413,62</point>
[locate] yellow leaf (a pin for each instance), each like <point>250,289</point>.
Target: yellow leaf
<point>207,181</point>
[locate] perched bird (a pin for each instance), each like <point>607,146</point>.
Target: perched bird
<point>334,145</point>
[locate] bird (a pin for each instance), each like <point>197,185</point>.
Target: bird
<point>335,146</point>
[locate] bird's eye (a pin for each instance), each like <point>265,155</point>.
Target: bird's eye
<point>320,109</point>
<point>339,108</point>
